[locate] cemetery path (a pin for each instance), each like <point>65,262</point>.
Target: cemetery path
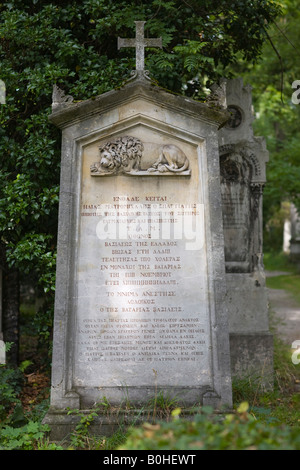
<point>286,312</point>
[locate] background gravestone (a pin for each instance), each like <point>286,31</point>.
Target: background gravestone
<point>139,306</point>
<point>294,239</point>
<point>243,159</point>
<point>2,92</point>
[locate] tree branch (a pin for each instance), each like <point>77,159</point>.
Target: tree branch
<point>280,60</point>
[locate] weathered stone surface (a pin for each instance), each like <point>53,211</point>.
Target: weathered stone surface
<point>140,274</point>
<point>247,351</point>
<point>243,159</point>
<point>2,92</point>
<point>2,352</point>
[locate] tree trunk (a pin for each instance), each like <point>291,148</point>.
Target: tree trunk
<point>11,303</point>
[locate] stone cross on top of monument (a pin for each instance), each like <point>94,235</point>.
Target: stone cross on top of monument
<point>140,42</point>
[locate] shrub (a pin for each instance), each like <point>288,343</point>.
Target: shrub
<point>10,386</point>
<point>23,438</point>
<point>208,431</point>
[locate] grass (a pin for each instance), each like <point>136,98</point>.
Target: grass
<point>290,281</point>
<point>279,262</point>
<point>281,405</point>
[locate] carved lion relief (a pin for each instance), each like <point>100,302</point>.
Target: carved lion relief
<point>123,155</point>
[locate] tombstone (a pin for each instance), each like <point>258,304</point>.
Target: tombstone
<point>243,159</point>
<point>287,235</point>
<point>2,352</point>
<point>294,235</point>
<point>139,307</point>
<point>2,92</point>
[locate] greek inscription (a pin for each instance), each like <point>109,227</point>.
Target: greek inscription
<point>140,280</point>
<point>141,338</point>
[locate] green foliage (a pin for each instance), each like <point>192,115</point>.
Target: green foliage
<point>275,217</point>
<point>278,262</point>
<point>80,436</point>
<point>11,384</point>
<point>27,437</point>
<point>277,116</point>
<point>11,381</point>
<point>239,431</point>
<point>162,404</point>
<point>290,283</point>
<point>20,430</point>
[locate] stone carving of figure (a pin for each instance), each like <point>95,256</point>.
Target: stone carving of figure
<point>122,155</point>
<point>171,158</point>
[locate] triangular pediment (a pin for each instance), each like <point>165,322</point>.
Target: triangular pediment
<point>66,112</point>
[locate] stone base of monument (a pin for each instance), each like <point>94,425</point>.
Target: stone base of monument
<point>251,343</point>
<point>252,358</point>
<point>63,423</point>
<point>109,417</point>
<point>2,351</point>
